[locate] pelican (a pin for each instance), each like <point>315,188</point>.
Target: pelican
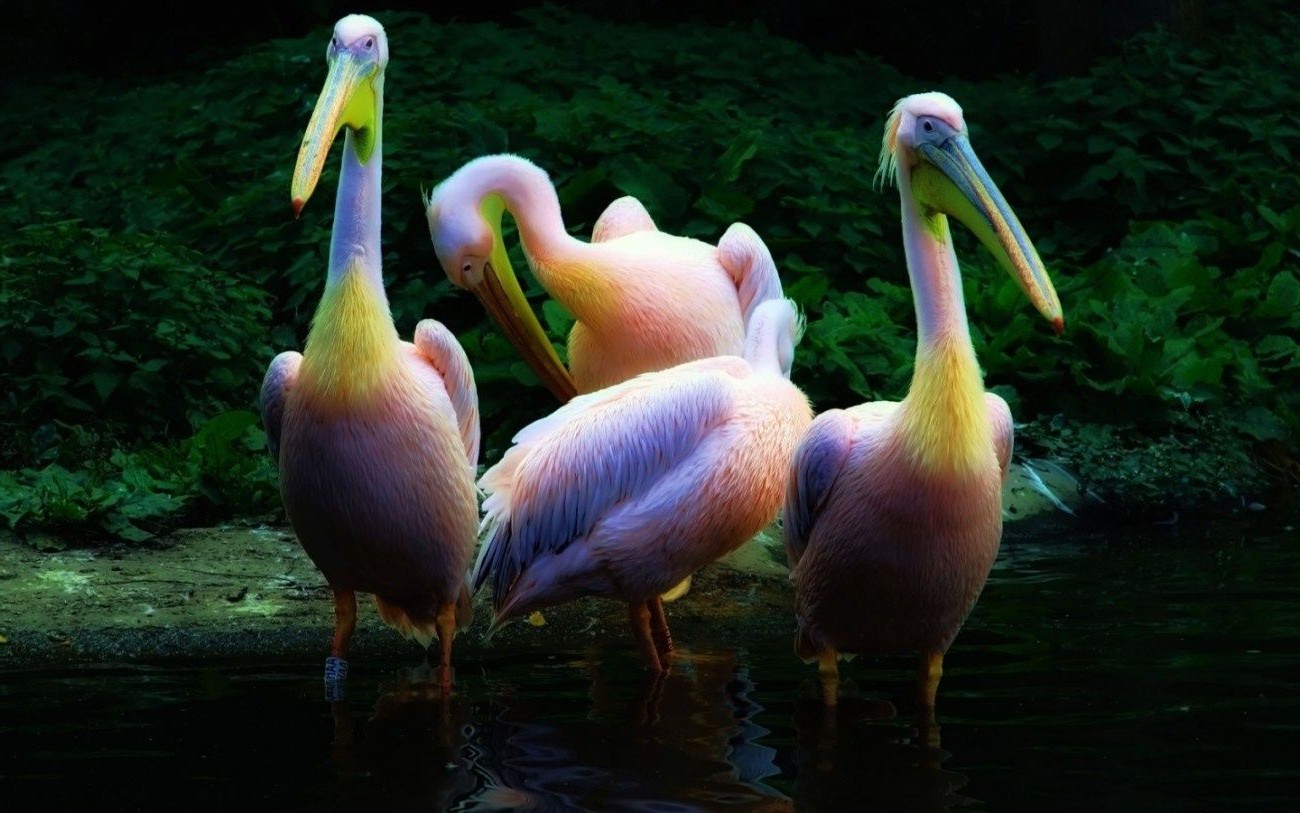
<point>376,439</point>
<point>893,509</point>
<point>626,491</point>
<point>643,300</point>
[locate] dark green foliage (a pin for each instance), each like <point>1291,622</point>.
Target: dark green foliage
<point>130,334</point>
<point>151,267</point>
<point>222,470</point>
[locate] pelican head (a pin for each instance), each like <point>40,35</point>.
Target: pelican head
<point>465,227</point>
<point>463,240</point>
<point>926,146</point>
<point>357,55</point>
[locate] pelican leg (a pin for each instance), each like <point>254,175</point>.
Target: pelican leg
<point>645,710</point>
<point>446,633</point>
<point>927,682</point>
<point>659,626</point>
<point>345,623</point>
<point>638,617</point>
<point>828,669</point>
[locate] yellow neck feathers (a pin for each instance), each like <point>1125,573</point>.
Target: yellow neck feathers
<point>352,349</point>
<point>586,290</point>
<point>945,419</point>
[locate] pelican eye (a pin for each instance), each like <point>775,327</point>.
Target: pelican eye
<point>466,268</point>
<point>370,43</point>
<point>932,130</point>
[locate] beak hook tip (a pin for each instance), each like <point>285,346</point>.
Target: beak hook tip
<point>1058,325</point>
<point>298,203</point>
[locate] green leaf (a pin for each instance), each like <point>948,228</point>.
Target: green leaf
<point>104,383</point>
<point>737,154</point>
<point>558,320</point>
<point>1282,298</point>
<point>656,189</point>
<point>1260,424</point>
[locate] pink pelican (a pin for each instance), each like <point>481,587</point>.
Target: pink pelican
<point>376,438</point>
<point>643,300</point>
<point>893,512</point>
<point>625,492</point>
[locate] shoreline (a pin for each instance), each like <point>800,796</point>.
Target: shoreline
<point>237,593</point>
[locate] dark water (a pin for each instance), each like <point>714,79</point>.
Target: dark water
<point>1154,672</point>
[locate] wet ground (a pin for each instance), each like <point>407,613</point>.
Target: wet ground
<point>1153,670</point>
<point>1146,668</point>
<point>239,592</point>
<point>248,593</point>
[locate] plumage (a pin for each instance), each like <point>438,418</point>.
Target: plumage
<point>621,218</point>
<point>376,438</point>
<point>643,300</point>
<point>893,510</point>
<point>626,491</point>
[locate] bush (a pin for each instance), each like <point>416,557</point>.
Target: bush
<point>128,335</point>
<point>151,268</point>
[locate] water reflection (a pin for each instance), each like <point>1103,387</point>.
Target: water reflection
<point>1153,674</point>
<point>682,742</point>
<point>587,734</point>
<point>860,756</point>
<point>409,751</point>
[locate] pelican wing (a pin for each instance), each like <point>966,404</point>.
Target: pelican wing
<point>745,257</point>
<point>1003,441</point>
<point>622,217</point>
<point>437,346</point>
<point>565,472</point>
<point>280,378</point>
<point>817,463</point>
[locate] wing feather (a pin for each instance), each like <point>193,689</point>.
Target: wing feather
<point>567,471</point>
<point>745,257</point>
<point>280,377</point>
<point>817,464</point>
<point>622,217</point>
<point>436,345</point>
<point>1000,418</point>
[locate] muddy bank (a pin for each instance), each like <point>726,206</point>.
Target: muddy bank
<point>251,593</point>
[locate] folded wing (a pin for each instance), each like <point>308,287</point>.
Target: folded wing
<point>569,470</point>
<point>437,346</point>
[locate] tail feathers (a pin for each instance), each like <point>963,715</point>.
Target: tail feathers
<point>491,559</point>
<point>515,604</point>
<point>422,630</point>
<point>511,604</point>
<point>503,611</point>
<point>809,645</point>
<point>553,579</point>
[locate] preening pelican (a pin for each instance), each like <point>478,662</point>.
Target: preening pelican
<point>377,439</point>
<point>628,490</point>
<point>643,300</point>
<point>893,513</point>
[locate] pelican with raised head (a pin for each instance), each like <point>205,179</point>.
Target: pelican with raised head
<point>376,438</point>
<point>893,510</point>
<point>643,300</point>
